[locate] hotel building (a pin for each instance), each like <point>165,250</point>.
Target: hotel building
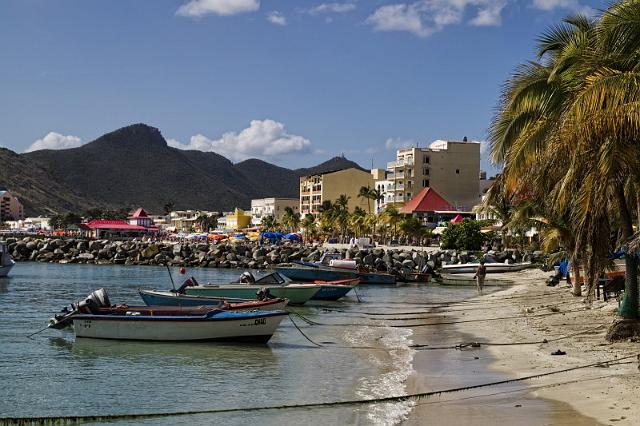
<point>452,168</point>
<point>272,207</point>
<point>315,189</point>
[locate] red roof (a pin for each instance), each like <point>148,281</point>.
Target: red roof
<point>112,224</point>
<point>139,213</point>
<point>427,200</point>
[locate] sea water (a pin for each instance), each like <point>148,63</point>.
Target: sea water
<point>53,374</point>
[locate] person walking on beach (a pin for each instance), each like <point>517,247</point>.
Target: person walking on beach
<point>481,272</point>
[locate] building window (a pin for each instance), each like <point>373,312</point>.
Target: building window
<point>425,159</point>
<point>457,171</point>
<point>425,171</point>
<point>425,183</point>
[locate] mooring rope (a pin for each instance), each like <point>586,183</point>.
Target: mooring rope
<point>347,403</point>
<point>431,324</point>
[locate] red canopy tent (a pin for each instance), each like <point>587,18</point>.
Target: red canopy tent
<point>457,219</point>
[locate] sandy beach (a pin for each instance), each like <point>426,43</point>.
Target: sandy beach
<point>528,312</point>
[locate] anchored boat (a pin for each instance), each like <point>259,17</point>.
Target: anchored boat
<point>95,318</point>
<point>492,268</point>
<point>332,268</point>
<point>270,285</point>
<point>170,298</point>
<point>6,263</point>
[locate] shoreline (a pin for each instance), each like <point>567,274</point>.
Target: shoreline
<point>595,395</point>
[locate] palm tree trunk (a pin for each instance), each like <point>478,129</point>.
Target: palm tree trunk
<point>577,286</point>
<point>629,307</point>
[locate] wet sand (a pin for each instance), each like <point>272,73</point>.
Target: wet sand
<point>588,396</point>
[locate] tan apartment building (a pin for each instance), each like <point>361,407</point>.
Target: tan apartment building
<point>452,168</point>
<point>316,189</point>
<point>272,207</point>
<point>10,207</point>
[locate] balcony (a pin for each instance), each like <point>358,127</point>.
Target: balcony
<point>396,176</point>
<point>400,163</point>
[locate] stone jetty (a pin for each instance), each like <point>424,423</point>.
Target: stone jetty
<point>228,255</point>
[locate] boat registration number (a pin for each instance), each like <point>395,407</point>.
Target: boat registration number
<point>259,321</point>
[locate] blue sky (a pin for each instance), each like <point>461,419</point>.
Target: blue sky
<point>291,82</point>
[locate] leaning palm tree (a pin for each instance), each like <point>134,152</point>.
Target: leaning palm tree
<point>392,217</point>
<point>570,123</point>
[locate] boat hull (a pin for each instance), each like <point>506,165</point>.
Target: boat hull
<point>245,327</point>
<point>467,280</point>
<point>4,270</point>
<point>375,278</point>
<point>332,292</point>
<point>305,273</point>
<point>161,298</point>
<point>297,295</point>
<point>492,268</point>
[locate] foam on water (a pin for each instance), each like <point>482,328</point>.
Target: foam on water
<point>395,367</point>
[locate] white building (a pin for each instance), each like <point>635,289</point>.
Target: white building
<point>272,207</point>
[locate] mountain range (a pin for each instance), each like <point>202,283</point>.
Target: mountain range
<point>133,166</point>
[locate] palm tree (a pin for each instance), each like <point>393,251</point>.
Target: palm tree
<point>291,219</point>
<point>570,124</point>
<point>392,216</point>
<point>168,207</point>
<point>365,192</point>
<point>341,214</point>
<point>207,222</point>
<point>309,225</point>
<point>269,223</point>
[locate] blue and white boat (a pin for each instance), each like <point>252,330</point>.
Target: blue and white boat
<point>331,268</point>
<point>170,298</point>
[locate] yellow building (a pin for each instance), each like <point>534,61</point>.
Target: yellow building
<point>452,168</point>
<point>238,220</point>
<point>316,189</point>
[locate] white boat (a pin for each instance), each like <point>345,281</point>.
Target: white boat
<point>492,268</point>
<point>95,317</point>
<point>467,280</point>
<point>6,263</point>
<point>256,326</point>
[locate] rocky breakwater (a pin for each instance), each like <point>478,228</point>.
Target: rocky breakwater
<point>227,255</point>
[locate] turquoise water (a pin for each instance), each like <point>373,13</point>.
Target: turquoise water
<point>52,374</point>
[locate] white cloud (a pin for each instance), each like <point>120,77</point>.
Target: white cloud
<point>198,8</point>
<point>277,18</point>
<point>332,8</point>
<point>489,15</point>
<point>262,139</point>
<point>484,147</point>
<point>397,143</point>
<point>55,140</point>
<point>425,17</point>
<point>571,5</point>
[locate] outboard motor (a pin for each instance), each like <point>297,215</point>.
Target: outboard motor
<point>247,278</point>
<point>190,282</point>
<point>91,304</point>
<point>264,294</point>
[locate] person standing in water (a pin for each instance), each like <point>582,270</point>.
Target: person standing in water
<point>481,272</point>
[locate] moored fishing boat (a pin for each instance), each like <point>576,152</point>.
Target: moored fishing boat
<point>94,318</point>
<point>271,285</point>
<point>170,298</point>
<point>493,267</point>
<point>331,268</point>
<point>6,263</point>
<point>334,290</point>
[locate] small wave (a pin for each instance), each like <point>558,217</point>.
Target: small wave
<point>395,366</point>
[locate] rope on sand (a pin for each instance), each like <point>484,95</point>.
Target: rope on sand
<point>348,403</point>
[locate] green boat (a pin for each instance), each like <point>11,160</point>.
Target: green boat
<point>297,294</point>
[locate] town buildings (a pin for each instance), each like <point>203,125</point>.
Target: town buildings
<point>138,224</point>
<point>237,220</point>
<point>10,207</point>
<point>328,186</point>
<point>272,207</point>
<point>452,168</point>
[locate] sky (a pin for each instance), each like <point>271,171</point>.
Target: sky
<point>291,82</point>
